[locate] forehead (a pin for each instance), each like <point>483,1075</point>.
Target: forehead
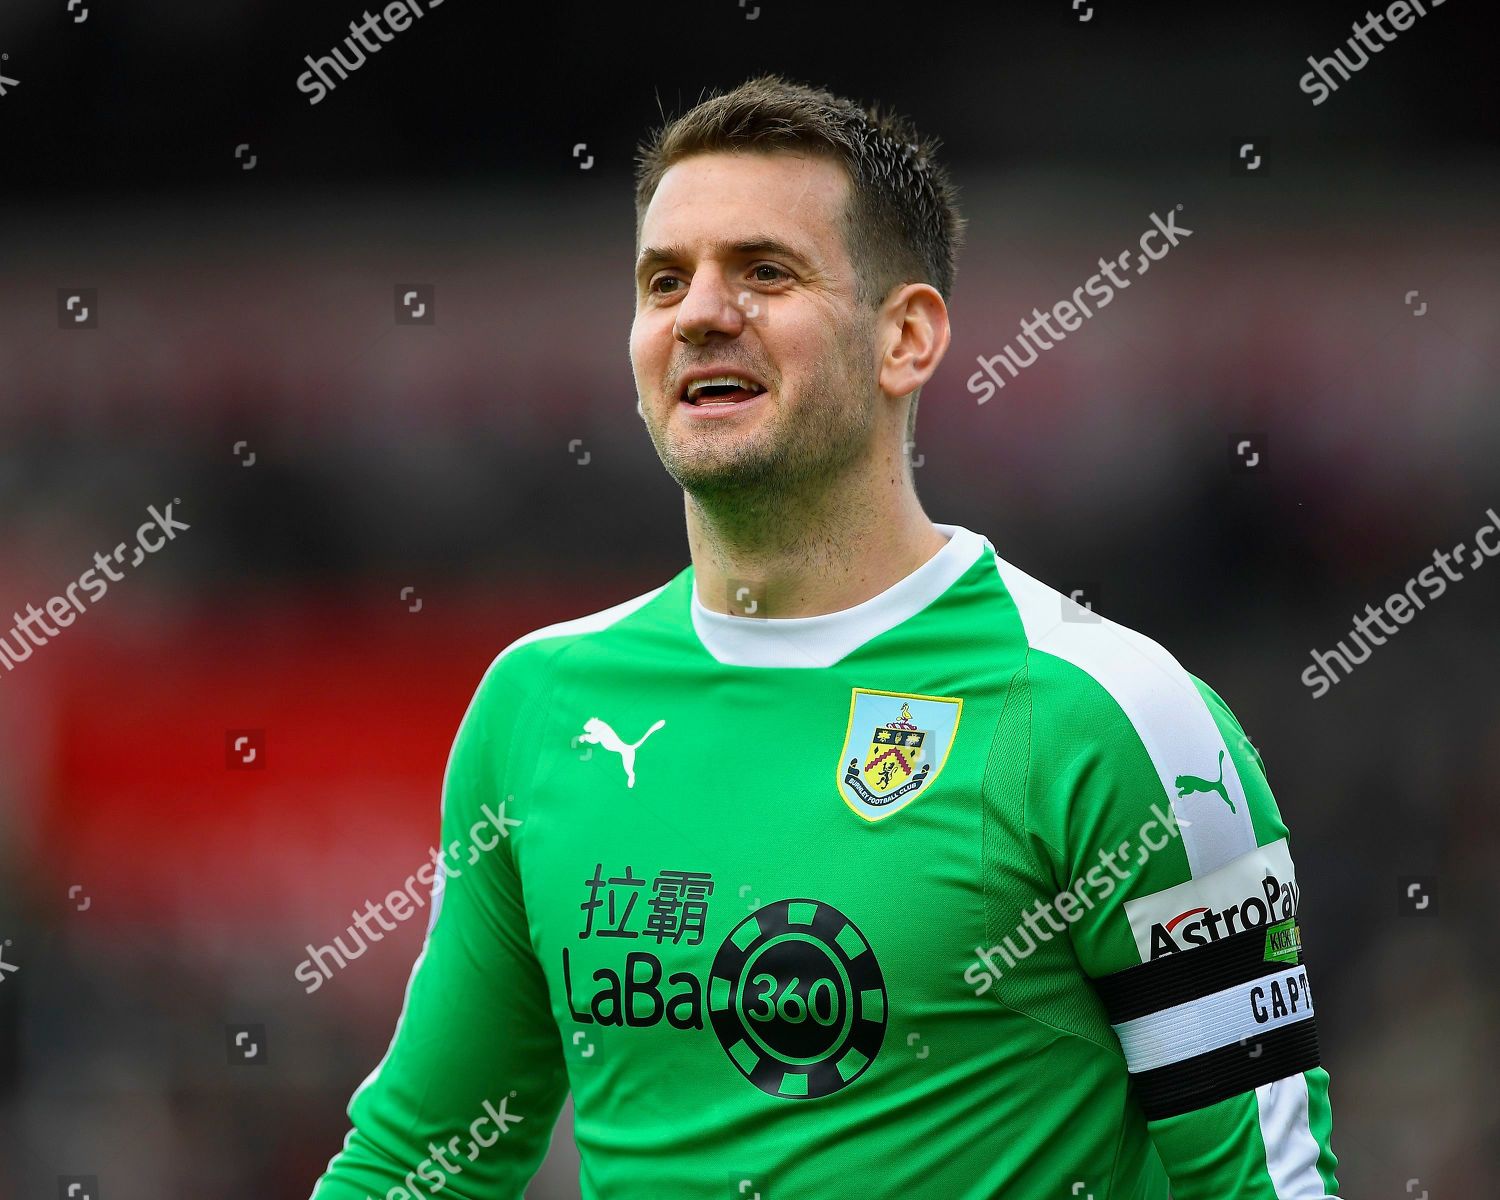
<point>708,198</point>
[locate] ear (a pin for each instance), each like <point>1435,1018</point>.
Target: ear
<point>914,333</point>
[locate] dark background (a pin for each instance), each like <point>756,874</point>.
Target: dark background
<point>151,897</point>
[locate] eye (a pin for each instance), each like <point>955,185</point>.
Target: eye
<point>661,279</point>
<point>776,272</point>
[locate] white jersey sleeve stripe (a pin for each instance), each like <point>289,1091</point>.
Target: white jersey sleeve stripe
<point>1161,703</point>
<point>592,623</point>
<point>1291,1149</point>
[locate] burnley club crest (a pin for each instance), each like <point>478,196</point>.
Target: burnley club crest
<point>894,748</point>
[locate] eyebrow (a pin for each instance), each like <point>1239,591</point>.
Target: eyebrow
<point>656,256</point>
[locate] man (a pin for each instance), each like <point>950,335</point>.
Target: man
<point>853,861</point>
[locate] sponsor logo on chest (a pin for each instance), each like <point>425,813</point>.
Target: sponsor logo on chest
<point>794,992</point>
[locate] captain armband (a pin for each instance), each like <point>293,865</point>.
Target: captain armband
<point>1201,1026</point>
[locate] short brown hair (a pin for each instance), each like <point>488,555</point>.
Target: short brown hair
<point>901,224</point>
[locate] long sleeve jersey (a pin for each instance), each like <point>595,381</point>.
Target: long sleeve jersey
<point>965,892</point>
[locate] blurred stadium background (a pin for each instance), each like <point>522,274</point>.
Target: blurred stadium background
<point>246,364</point>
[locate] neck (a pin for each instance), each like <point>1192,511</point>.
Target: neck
<point>819,549</point>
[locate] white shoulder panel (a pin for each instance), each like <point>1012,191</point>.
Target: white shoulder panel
<point>592,623</point>
<point>1166,710</point>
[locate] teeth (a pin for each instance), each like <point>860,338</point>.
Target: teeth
<point>738,381</point>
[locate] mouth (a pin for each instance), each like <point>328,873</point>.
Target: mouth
<point>719,392</point>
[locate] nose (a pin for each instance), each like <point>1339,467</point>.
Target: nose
<point>707,310</point>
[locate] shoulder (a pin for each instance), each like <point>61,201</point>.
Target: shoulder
<point>524,664</point>
<point>1080,657</point>
<point>1117,718</point>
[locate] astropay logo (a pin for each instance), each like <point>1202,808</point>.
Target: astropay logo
<point>1254,890</point>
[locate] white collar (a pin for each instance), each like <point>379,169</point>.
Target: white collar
<point>822,640</point>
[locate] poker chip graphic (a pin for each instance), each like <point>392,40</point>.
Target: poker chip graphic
<point>797,999</point>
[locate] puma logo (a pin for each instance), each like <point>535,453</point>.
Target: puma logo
<point>600,734</point>
<point>1187,784</point>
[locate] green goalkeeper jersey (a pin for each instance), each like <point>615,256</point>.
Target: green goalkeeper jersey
<point>963,892</point>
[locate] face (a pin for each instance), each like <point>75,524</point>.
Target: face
<point>743,271</point>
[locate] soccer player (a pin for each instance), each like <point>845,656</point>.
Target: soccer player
<point>852,861</point>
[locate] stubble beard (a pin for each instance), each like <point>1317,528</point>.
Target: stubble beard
<point>803,447</point>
